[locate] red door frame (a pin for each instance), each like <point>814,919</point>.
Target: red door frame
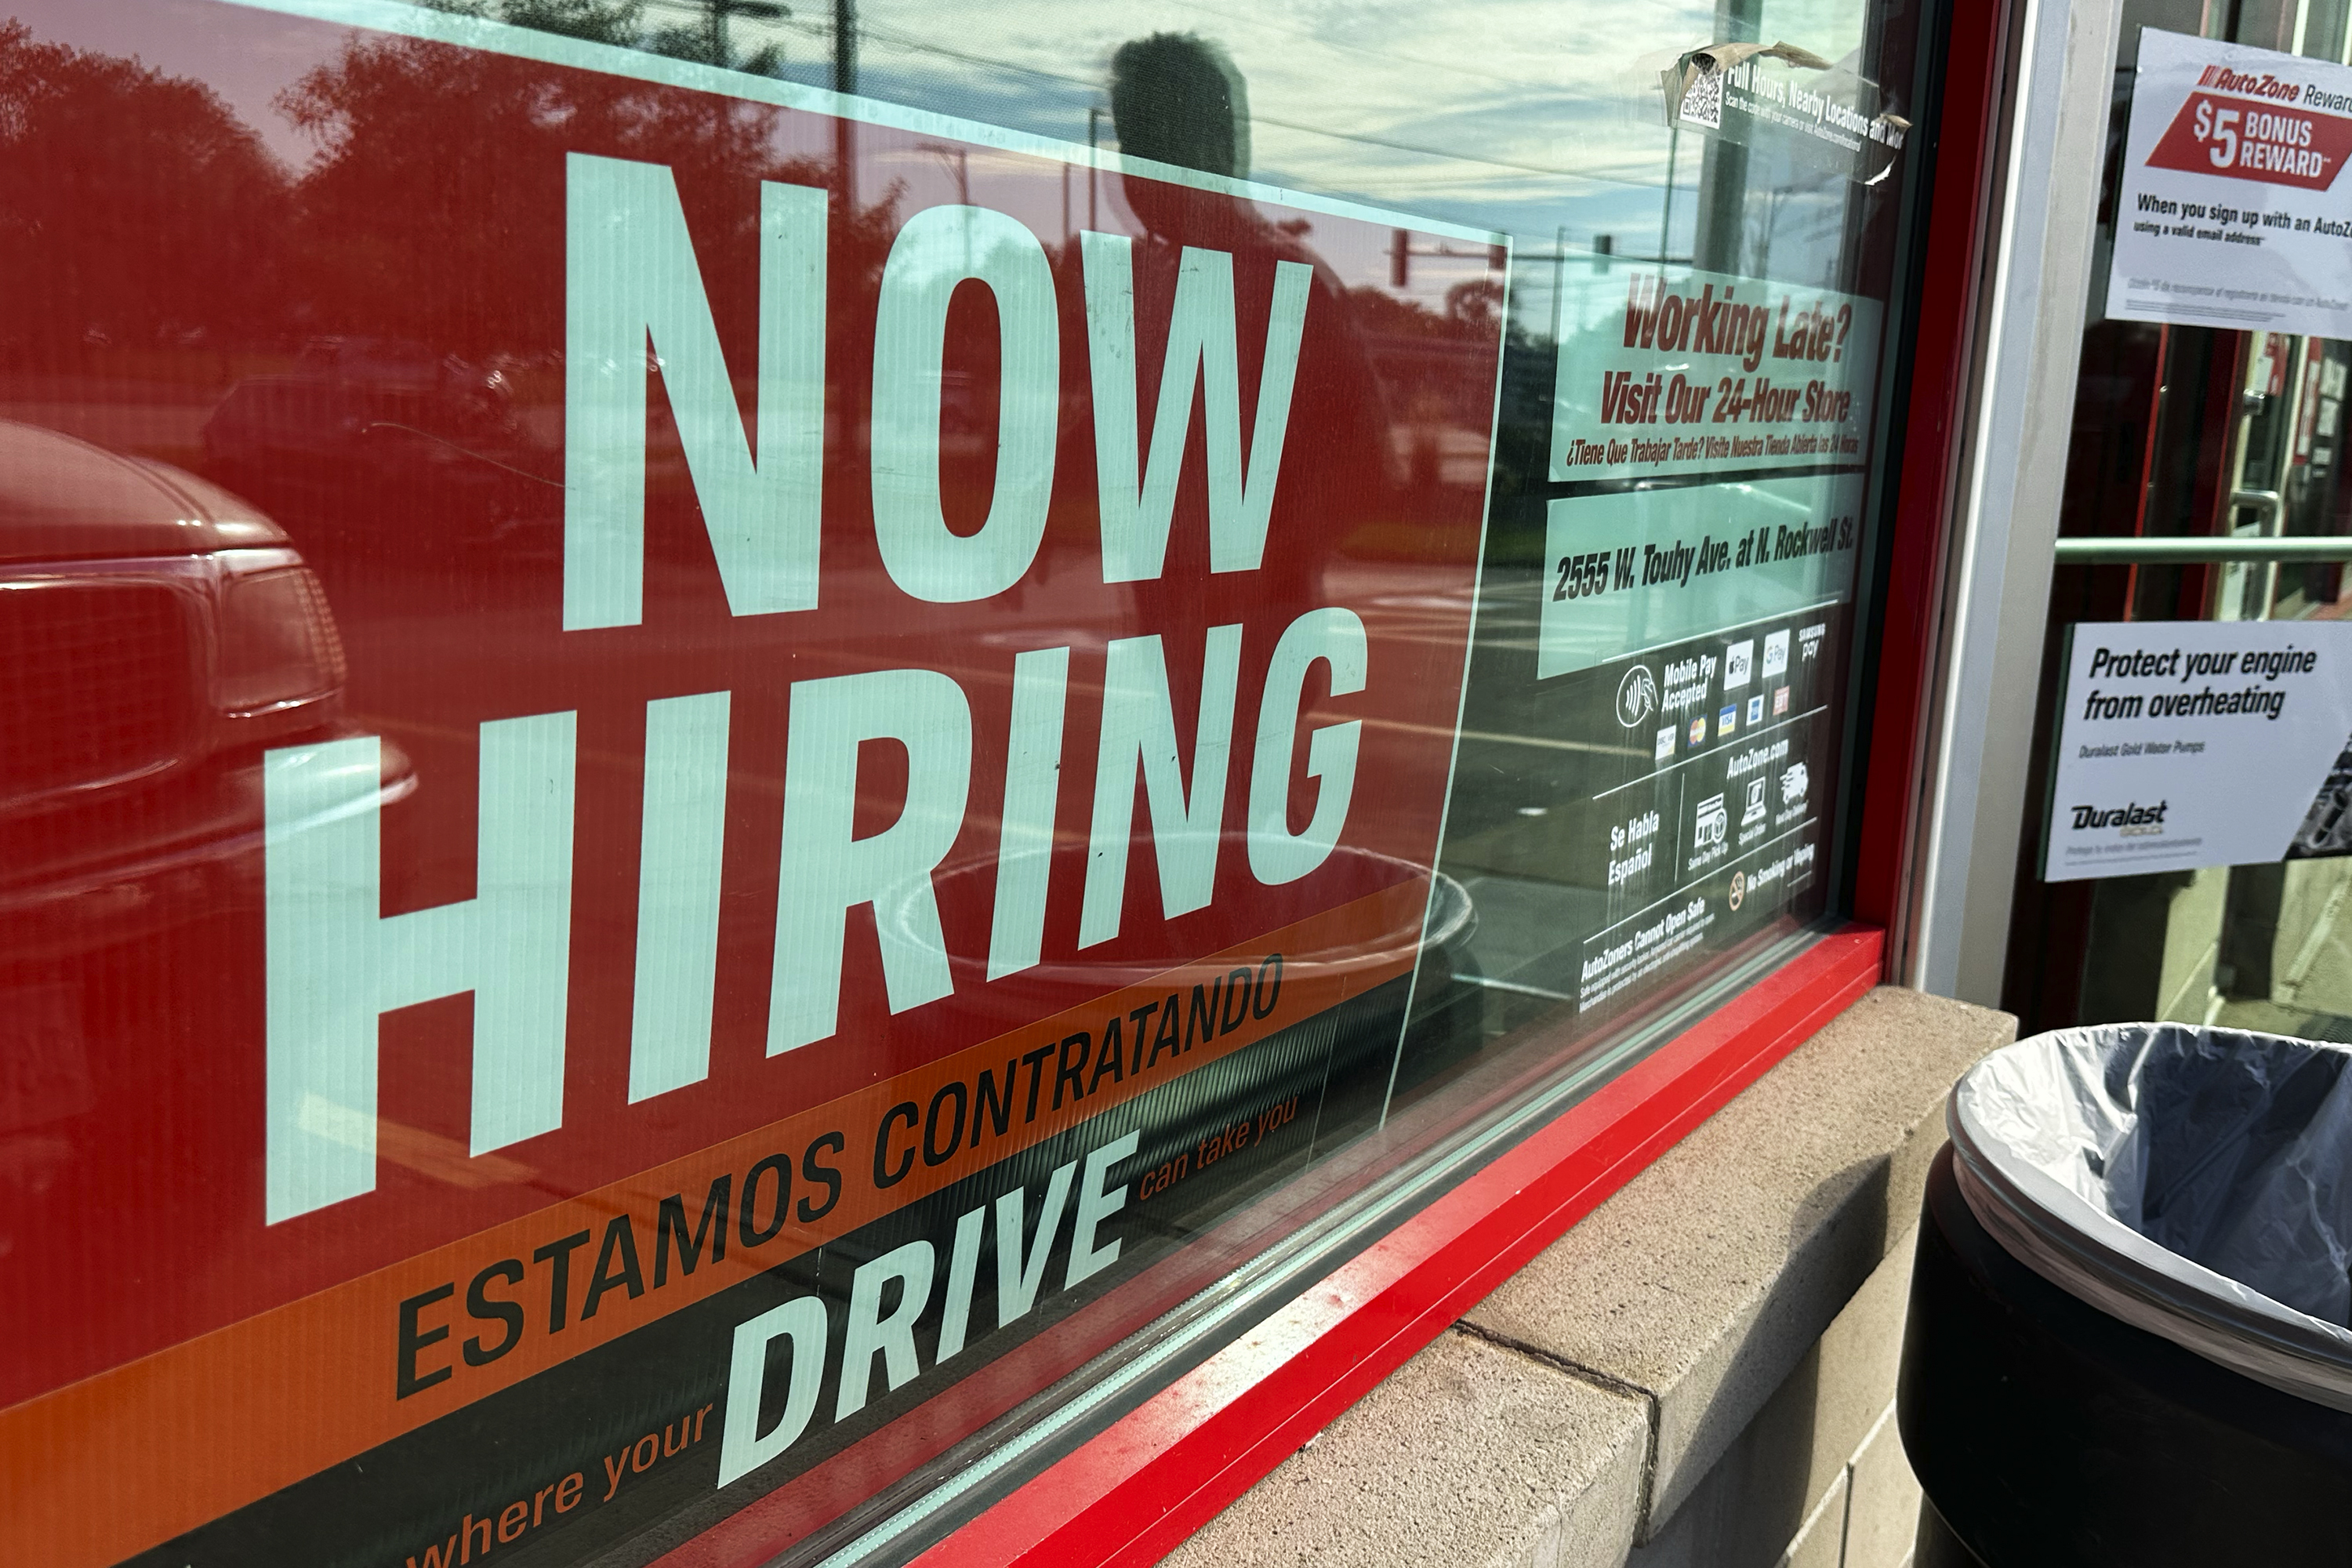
<point>1956,250</point>
<point>1130,1494</point>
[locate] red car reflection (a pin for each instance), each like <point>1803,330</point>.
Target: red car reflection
<point>157,633</point>
<point>419,432</point>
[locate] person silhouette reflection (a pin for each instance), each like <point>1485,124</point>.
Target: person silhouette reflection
<point>1177,99</point>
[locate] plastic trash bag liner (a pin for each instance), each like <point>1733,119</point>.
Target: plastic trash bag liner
<point>2194,1182</point>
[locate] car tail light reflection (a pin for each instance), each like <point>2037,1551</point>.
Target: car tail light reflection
<point>278,645</point>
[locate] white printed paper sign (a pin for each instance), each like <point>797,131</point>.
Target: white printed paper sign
<point>1632,570</point>
<point>2231,212</point>
<point>2188,744</point>
<point>1675,371</point>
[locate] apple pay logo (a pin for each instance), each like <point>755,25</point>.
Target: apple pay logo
<point>1739,663</point>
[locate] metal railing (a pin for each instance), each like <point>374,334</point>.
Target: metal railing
<point>2219,547</point>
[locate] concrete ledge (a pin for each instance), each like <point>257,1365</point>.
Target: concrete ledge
<point>1557,1473</point>
<point>1681,1305</point>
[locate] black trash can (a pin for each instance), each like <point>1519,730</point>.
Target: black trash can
<point>2127,1345</point>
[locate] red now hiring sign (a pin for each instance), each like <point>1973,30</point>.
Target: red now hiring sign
<point>882,694</point>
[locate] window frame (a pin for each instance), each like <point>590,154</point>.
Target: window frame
<point>1136,1489</point>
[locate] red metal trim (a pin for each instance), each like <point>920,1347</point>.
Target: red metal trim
<point>1132,1493</point>
<point>1959,227</point>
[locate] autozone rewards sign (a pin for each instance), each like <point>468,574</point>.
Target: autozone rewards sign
<point>849,777</point>
<point>2232,212</point>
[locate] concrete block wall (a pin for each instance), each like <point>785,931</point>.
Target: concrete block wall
<point>1700,1373</point>
<point>1817,1479</point>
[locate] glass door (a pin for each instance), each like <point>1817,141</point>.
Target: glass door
<point>2216,450</point>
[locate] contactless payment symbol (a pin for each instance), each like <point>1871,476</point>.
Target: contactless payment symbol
<point>1637,696</point>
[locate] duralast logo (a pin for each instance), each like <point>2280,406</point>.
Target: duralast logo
<point>2133,818</point>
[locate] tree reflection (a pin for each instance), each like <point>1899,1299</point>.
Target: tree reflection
<point>434,206</point>
<point>135,208</point>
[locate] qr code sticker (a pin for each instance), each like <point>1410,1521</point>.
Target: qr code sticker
<point>1703,102</point>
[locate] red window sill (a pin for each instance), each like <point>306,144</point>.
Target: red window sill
<point>1129,1495</point>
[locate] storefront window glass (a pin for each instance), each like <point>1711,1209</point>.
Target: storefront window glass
<point>710,791</point>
